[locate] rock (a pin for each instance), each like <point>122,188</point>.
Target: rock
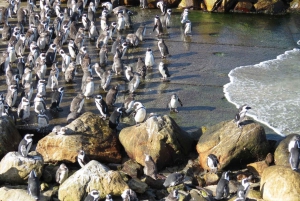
<point>155,184</point>
<point>269,159</point>
<point>187,4</point>
<point>211,178</point>
<point>210,4</point>
<point>199,195</point>
<point>88,132</point>
<point>137,185</point>
<point>280,183</point>
<point>14,168</point>
<point>233,145</point>
<point>9,136</point>
<point>161,138</point>
<point>281,154</point>
<point>271,7</point>
<point>133,169</point>
<point>7,193</point>
<point>93,175</point>
<point>257,168</point>
<point>244,7</point>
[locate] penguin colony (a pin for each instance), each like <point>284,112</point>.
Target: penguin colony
<point>42,50</point>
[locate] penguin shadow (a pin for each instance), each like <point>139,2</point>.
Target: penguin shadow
<point>181,65</point>
<point>246,122</point>
<point>194,108</point>
<point>183,55</point>
<point>185,77</point>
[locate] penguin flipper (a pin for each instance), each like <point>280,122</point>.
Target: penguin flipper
<point>154,27</point>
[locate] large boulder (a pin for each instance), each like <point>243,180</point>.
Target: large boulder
<point>280,183</point>
<point>15,169</point>
<point>232,144</point>
<point>281,154</point>
<point>11,193</point>
<point>159,137</point>
<point>9,136</point>
<point>93,175</point>
<point>88,132</point>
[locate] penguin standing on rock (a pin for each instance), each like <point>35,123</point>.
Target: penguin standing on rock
<point>239,117</point>
<point>94,195</point>
<point>82,158</point>
<point>294,158</point>
<point>102,106</point>
<point>222,190</point>
<point>150,168</point>
<point>173,179</point>
<point>139,113</point>
<point>61,173</point>
<point>25,145</point>
<point>243,190</point>
<point>56,99</point>
<point>174,103</point>
<point>33,188</point>
<point>212,163</point>
<point>114,118</point>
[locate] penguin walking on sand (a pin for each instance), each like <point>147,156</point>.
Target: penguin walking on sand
<point>61,173</point>
<point>149,58</point>
<point>212,162</point>
<point>222,190</point>
<point>94,195</point>
<point>77,103</point>
<point>101,106</point>
<point>174,103</point>
<point>239,117</point>
<point>150,168</point>
<point>114,118</point>
<point>82,158</point>
<point>43,121</point>
<point>173,179</point>
<point>33,188</point>
<point>164,71</point>
<point>158,26</point>
<point>162,48</point>
<point>111,96</point>
<point>140,113</point>
<point>56,99</point>
<point>24,109</point>
<point>25,145</point>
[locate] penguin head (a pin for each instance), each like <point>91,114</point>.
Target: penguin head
<point>71,42</point>
<point>95,194</point>
<point>81,153</point>
<point>63,167</point>
<point>174,96</point>
<point>32,174</point>
<point>108,197</point>
<point>169,11</point>
<point>61,52</point>
<point>53,46</point>
<point>156,17</point>
<point>28,138</point>
<point>149,50</point>
<point>98,97</point>
<point>114,24</point>
<point>120,110</point>
<point>61,89</point>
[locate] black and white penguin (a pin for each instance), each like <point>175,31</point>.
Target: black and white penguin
<point>39,103</point>
<point>212,162</point>
<point>134,83</point>
<point>150,168</point>
<point>94,195</point>
<point>28,91</point>
<point>101,106</point>
<point>2,109</point>
<point>294,142</point>
<point>143,4</point>
<point>114,118</point>
<point>41,87</point>
<point>162,48</point>
<point>111,96</point>
<point>164,71</point>
<point>174,103</point>
<point>129,195</point>
<point>105,79</point>
<point>127,18</point>
<point>77,103</point>
<point>173,179</point>
<point>128,73</point>
<point>82,158</point>
<point>56,99</point>
<point>158,26</point>
<point>73,49</point>
<point>129,103</point>
<point>33,188</point>
<point>140,113</point>
<point>173,196</point>
<point>91,11</point>
<point>103,20</point>
<point>51,55</point>
<point>66,59</point>
<point>4,61</point>
<point>25,145</point>
<point>294,158</point>
<point>12,53</point>
<point>88,88</point>
<point>24,109</point>
<point>167,18</point>
<point>108,5</point>
<point>188,28</point>
<point>120,22</point>
<point>79,57</point>
<point>20,46</point>
<point>103,38</point>
<point>149,58</point>
<point>243,190</point>
<point>239,117</point>
<point>11,96</point>
<point>27,76</point>
<point>6,31</point>
<point>222,190</point>
<point>184,16</point>
<point>61,173</point>
<point>21,66</point>
<point>162,6</point>
<point>140,32</point>
<point>93,31</point>
<point>53,77</point>
<point>112,30</point>
<point>108,198</point>
<point>43,121</point>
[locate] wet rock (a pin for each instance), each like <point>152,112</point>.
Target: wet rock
<point>10,193</point>
<point>281,154</point>
<point>280,183</point>
<point>133,169</point>
<point>9,136</point>
<point>93,175</point>
<point>88,132</point>
<point>232,144</point>
<point>14,168</point>
<point>161,138</point>
<point>137,185</point>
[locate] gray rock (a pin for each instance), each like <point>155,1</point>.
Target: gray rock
<point>9,193</point>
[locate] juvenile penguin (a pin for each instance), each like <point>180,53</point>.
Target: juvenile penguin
<point>66,60</point>
<point>140,32</point>
<point>82,158</point>
<point>94,195</point>
<point>158,26</point>
<point>139,113</point>
<point>150,168</point>
<point>43,121</point>
<point>222,190</point>
<point>24,110</point>
<point>149,58</point>
<point>141,68</point>
<point>61,173</point>
<point>33,188</point>
<point>25,145</point>
<point>77,103</point>
<point>114,118</point>
<point>111,96</point>
<point>89,88</point>
<point>129,103</point>
<point>56,99</point>
<point>162,48</point>
<point>134,83</point>
<point>173,179</point>
<point>212,162</point>
<point>103,57</point>
<point>70,72</point>
<point>174,103</point>
<point>101,106</point>
<point>164,71</point>
<point>28,91</point>
<point>239,117</point>
<point>128,73</point>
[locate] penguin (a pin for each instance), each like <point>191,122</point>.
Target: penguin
<point>21,66</point>
<point>39,104</point>
<point>117,66</point>
<point>140,32</point>
<point>143,4</point>
<point>127,18</point>
<point>158,26</point>
<point>72,116</point>
<point>184,16</point>
<point>61,131</point>
<point>173,196</point>
<point>24,109</point>
<point>27,76</point>
<point>53,77</point>
<point>56,99</point>
<point>103,21</point>
<point>128,73</point>
<point>173,179</point>
<point>25,145</point>
<point>89,88</point>
<point>150,168</point>
<point>139,113</point>
<point>294,158</point>
<point>87,72</point>
<point>20,46</point>
<point>85,22</point>
<point>163,71</point>
<point>162,48</point>
<point>86,63</point>
<point>51,55</point>
<point>28,91</point>
<point>129,103</point>
<point>73,50</point>
<point>6,31</point>
<point>66,59</point>
<point>41,87</point>
<point>91,11</point>
<point>61,173</point>
<point>108,197</point>
<point>162,6</point>
<point>112,30</point>
<point>102,39</point>
<point>82,158</point>
<point>134,83</point>
<point>11,53</point>
<point>222,190</point>
<point>174,103</point>
<point>99,71</point>
<point>43,121</point>
<point>294,142</point>
<point>43,41</point>
<point>149,58</point>
<point>33,188</point>
<point>103,56</point>
<point>114,118</point>
<point>105,79</point>
<point>129,194</point>
<point>120,22</point>
<point>94,195</point>
<point>93,31</point>
<point>111,96</point>
<point>80,56</point>
<point>77,103</point>
<point>239,117</point>
<point>11,96</point>
<point>132,39</point>
<point>9,75</point>
<point>212,162</point>
<point>40,69</point>
<point>243,189</point>
<point>2,109</point>
<point>167,19</point>
<point>101,106</point>
<point>188,28</point>
<point>108,6</point>
<point>70,72</point>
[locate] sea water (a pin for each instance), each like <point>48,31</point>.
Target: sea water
<point>272,89</point>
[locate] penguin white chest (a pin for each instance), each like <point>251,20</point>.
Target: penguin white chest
<point>140,115</point>
<point>89,90</point>
<point>149,59</point>
<point>42,122</point>
<point>173,103</point>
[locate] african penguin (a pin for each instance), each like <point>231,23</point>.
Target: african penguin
<point>77,103</point>
<point>11,96</point>
<point>222,190</point>
<point>239,117</point>
<point>212,162</point>
<point>94,195</point>
<point>111,96</point>
<point>149,58</point>
<point>39,103</point>
<point>134,83</point>
<point>114,118</point>
<point>174,103</point>
<point>188,28</point>
<point>162,48</point>
<point>294,158</point>
<point>158,26</point>
<point>173,196</point>
<point>25,145</point>
<point>140,113</point>
<point>33,188</point>
<point>173,179</point>
<point>24,109</point>
<point>243,189</point>
<point>82,158</point>
<point>129,194</point>
<point>56,99</point>
<point>164,71</point>
<point>61,173</point>
<point>43,121</point>
<point>150,168</point>
<point>101,106</point>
